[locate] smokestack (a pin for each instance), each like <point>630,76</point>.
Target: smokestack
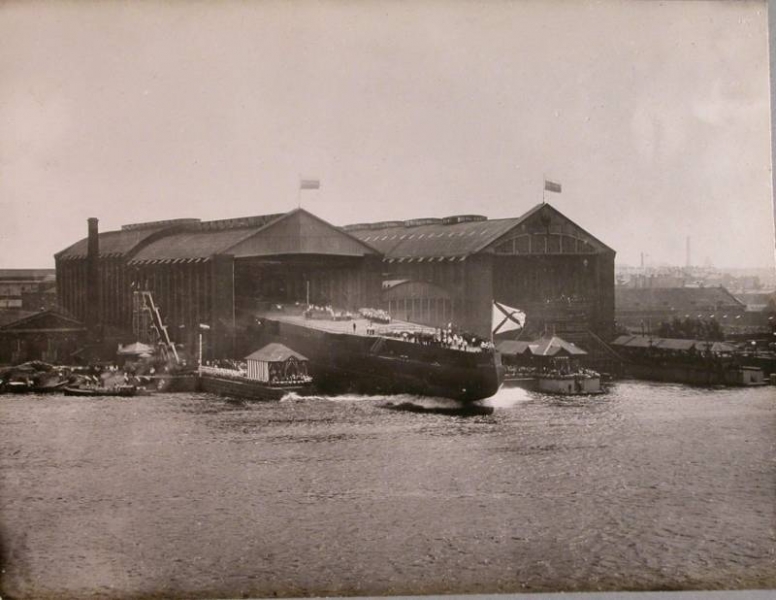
<point>93,303</point>
<point>689,263</point>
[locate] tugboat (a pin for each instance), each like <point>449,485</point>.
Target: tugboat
<point>567,381</point>
<point>269,374</point>
<point>121,390</point>
<point>372,354</point>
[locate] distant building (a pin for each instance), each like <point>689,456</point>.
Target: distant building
<point>50,336</point>
<point>645,308</point>
<point>19,287</point>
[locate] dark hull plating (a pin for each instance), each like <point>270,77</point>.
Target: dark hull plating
<point>350,363</point>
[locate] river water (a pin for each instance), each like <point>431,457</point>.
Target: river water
<point>651,486</point>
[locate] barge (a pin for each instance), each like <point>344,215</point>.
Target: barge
<point>268,374</point>
<point>580,383</point>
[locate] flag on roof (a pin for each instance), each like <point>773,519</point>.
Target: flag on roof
<point>552,186</point>
<point>506,318</point>
<point>309,184</point>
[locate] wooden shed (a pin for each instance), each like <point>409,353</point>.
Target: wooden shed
<point>276,363</point>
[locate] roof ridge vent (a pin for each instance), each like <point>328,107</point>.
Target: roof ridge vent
<point>422,221</point>
<point>454,219</point>
<point>239,222</point>
<point>160,224</point>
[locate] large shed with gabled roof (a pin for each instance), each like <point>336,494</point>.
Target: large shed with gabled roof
<point>210,272</point>
<point>436,271</point>
<point>560,275</point>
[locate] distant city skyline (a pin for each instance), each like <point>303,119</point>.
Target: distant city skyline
<point>654,118</point>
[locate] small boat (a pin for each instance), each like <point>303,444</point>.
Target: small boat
<point>17,387</point>
<point>26,387</point>
<point>48,389</point>
<point>581,382</point>
<point>122,390</point>
<point>578,383</point>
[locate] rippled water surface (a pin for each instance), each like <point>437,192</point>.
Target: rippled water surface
<point>647,487</point>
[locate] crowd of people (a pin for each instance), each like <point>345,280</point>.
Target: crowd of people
<point>375,315</point>
<point>288,373</point>
<point>327,313</point>
<point>445,338</point>
<point>227,363</point>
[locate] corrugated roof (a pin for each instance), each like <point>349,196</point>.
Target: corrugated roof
<point>715,347</point>
<point>409,241</point>
<point>112,243</point>
<point>635,341</point>
<point>274,352</point>
<point>546,346</point>
<point>512,346</point>
<point>686,299</point>
<point>49,318</point>
<point>551,346</point>
<point>295,232</point>
<point>192,245</point>
<point>643,341</point>
<point>674,344</point>
<point>11,315</point>
<point>300,232</point>
<point>435,240</point>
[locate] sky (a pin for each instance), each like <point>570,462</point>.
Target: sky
<point>654,117</point>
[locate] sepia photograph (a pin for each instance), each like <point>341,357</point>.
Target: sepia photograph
<point>324,298</point>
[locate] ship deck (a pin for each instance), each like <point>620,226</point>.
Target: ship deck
<point>347,326</point>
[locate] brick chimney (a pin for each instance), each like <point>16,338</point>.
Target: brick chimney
<point>93,299</point>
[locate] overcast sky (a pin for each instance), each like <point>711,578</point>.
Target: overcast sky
<point>654,116</point>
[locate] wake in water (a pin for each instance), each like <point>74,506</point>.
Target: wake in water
<point>294,397</point>
<point>404,403</point>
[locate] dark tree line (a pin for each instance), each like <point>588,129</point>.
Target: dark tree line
<point>691,329</point>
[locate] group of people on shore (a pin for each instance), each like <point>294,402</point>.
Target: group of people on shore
<point>375,315</point>
<point>327,313</point>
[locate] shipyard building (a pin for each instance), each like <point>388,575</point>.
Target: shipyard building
<point>432,271</point>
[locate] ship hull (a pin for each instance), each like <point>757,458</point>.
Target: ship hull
<point>371,365</point>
